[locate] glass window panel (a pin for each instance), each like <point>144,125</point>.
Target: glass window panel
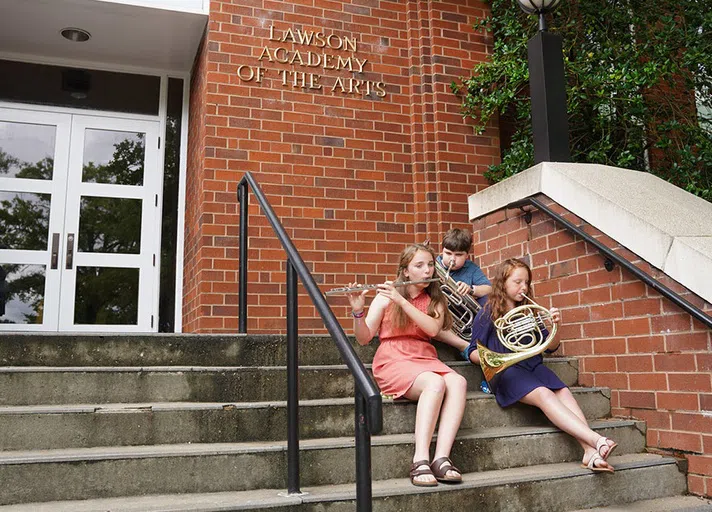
<point>113,157</point>
<point>22,292</point>
<point>110,225</point>
<point>26,150</point>
<point>169,233</point>
<point>106,296</point>
<point>24,220</point>
<point>92,89</point>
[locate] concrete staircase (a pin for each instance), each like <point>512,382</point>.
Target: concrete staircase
<point>169,423</point>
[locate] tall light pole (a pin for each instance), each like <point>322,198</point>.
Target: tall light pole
<point>547,88</point>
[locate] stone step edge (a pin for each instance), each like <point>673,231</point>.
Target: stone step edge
<point>177,406</point>
<point>104,453</point>
<point>199,368</point>
<point>686,503</point>
<point>273,498</point>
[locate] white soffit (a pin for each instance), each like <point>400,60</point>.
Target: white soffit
<point>197,6</point>
<point>669,228</point>
<point>122,33</point>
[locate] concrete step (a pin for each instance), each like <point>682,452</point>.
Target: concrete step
<point>547,487</point>
<point>90,425</point>
<point>119,471</point>
<point>31,385</point>
<point>671,504</point>
<point>183,350</point>
<point>52,349</point>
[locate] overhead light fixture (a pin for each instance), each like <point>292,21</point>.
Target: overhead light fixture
<point>77,35</point>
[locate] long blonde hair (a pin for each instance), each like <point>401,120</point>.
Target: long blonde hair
<point>497,301</point>
<point>398,316</point>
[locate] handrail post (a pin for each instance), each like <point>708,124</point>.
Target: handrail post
<point>292,383</point>
<point>368,407</point>
<point>242,267</point>
<point>363,456</point>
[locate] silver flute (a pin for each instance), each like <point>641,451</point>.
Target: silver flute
<point>343,290</point>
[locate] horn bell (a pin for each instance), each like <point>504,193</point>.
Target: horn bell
<point>527,331</point>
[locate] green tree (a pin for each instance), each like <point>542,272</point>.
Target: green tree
<point>633,68</point>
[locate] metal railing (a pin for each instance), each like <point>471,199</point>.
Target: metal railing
<point>368,406</point>
<point>613,257</point>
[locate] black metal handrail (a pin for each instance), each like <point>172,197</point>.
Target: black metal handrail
<point>614,257</point>
<point>368,403</point>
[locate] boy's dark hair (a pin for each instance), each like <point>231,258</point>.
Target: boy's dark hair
<point>457,240</point>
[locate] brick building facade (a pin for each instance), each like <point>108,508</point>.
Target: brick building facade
<point>353,176</point>
<point>343,112</point>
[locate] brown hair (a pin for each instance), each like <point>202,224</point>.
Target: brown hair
<point>497,301</point>
<point>457,240</point>
<point>398,316</point>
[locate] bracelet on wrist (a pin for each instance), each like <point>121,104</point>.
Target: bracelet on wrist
<point>358,315</point>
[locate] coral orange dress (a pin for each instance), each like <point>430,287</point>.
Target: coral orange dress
<point>404,353</point>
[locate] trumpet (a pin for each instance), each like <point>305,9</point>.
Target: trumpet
<point>463,308</point>
<point>344,290</point>
<point>521,330</point>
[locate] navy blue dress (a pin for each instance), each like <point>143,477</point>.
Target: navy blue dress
<point>520,379</point>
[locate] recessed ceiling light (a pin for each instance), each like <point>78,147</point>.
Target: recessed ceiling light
<point>75,34</point>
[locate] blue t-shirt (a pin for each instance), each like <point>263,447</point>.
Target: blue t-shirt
<point>470,273</point>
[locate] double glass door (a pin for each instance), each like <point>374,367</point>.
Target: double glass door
<point>79,222</point>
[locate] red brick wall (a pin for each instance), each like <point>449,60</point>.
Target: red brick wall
<point>194,200</point>
<point>654,357</point>
<point>354,178</point>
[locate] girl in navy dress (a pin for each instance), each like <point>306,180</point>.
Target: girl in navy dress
<point>529,381</point>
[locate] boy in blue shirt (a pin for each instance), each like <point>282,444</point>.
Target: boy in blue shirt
<point>469,277</point>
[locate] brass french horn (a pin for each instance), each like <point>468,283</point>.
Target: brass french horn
<point>521,330</point>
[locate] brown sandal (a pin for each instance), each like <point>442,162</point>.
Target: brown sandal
<point>441,473</point>
<point>415,472</point>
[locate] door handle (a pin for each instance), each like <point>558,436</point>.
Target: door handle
<point>55,251</point>
<point>70,251</point>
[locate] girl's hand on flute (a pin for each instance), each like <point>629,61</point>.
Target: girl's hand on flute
<point>389,291</point>
<point>357,299</point>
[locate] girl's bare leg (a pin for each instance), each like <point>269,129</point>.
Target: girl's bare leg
<point>428,390</point>
<point>451,414</point>
<point>566,419</point>
<point>567,398</point>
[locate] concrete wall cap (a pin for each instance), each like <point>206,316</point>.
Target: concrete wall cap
<point>666,226</point>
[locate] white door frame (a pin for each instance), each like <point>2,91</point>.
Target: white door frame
<point>151,196</point>
<point>164,74</point>
<point>56,187</point>
<point>67,188</point>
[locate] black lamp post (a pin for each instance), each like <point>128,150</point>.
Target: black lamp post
<point>547,87</point>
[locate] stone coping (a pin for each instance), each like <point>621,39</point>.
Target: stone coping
<point>666,226</point>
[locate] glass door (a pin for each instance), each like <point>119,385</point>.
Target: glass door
<point>111,230</point>
<point>34,153</point>
<point>79,230</point>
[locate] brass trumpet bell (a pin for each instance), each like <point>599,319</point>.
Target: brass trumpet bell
<point>526,330</point>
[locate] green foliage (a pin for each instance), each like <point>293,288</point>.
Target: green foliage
<point>632,68</point>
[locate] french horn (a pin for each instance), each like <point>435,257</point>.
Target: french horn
<point>527,330</point>
<point>463,308</point>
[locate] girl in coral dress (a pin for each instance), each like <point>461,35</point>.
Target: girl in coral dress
<point>406,363</point>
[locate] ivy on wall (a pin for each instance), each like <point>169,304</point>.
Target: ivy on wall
<point>639,86</point>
